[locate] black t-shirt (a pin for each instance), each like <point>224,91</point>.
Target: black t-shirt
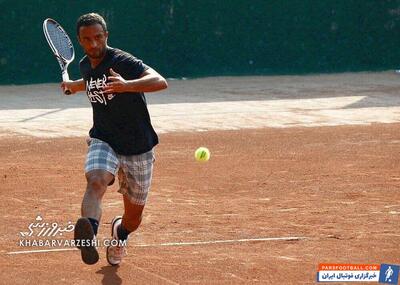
<point>121,119</point>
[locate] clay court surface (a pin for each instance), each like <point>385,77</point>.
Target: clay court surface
<point>304,170</point>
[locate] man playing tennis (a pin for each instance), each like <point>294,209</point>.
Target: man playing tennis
<point>122,138</point>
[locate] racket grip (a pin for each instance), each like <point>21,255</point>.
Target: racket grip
<point>65,78</point>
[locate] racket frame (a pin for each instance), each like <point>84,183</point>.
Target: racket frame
<point>63,62</point>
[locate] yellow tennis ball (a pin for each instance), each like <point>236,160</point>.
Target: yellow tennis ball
<point>202,154</point>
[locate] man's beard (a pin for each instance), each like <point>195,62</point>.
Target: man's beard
<point>97,55</point>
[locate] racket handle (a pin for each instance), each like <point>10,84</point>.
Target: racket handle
<point>65,78</point>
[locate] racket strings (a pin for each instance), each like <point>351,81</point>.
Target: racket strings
<point>60,41</point>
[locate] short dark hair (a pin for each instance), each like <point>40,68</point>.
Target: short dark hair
<point>90,19</point>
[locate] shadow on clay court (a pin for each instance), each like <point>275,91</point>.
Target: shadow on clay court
<point>110,275</point>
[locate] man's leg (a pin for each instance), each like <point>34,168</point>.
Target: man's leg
<point>86,227</point>
<point>101,163</point>
<point>135,177</point>
<point>97,182</point>
<point>121,227</point>
<point>131,219</point>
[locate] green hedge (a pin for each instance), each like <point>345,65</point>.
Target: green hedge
<point>205,38</point>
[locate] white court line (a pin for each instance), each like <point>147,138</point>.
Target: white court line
<point>172,244</point>
<point>40,250</point>
<point>220,241</point>
<point>155,275</point>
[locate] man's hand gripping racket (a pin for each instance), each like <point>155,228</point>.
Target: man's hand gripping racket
<point>61,45</point>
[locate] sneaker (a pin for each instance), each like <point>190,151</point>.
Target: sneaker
<point>86,241</point>
<point>115,253</point>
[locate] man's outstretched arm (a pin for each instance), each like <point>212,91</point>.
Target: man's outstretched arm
<point>149,81</point>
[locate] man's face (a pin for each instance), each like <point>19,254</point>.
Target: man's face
<point>93,40</point>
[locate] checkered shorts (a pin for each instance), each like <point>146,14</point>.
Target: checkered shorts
<point>134,171</point>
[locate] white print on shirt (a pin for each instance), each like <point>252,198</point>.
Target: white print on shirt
<point>94,90</point>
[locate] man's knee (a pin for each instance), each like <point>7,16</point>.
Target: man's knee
<point>98,181</point>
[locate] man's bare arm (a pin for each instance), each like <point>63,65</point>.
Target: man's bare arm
<point>74,86</point>
<point>149,81</point>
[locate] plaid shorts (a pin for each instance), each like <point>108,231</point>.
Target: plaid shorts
<point>134,171</point>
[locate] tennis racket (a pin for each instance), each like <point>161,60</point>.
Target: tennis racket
<point>61,45</point>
